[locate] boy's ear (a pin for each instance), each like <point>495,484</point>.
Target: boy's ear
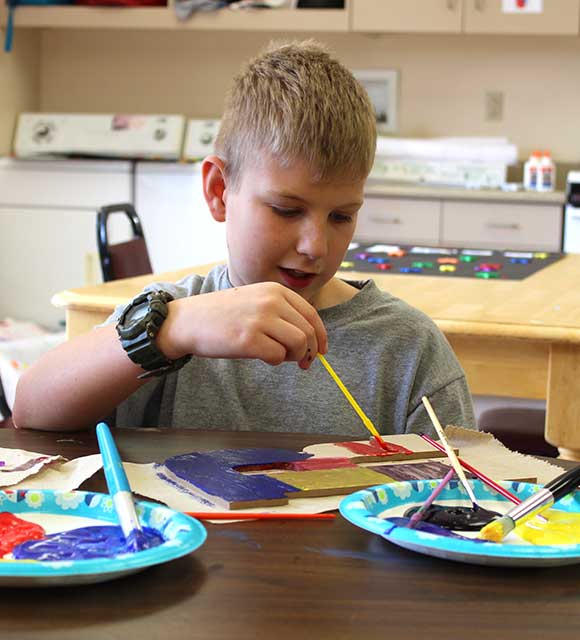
<point>214,186</point>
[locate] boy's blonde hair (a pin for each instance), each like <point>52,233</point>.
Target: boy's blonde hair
<point>297,103</point>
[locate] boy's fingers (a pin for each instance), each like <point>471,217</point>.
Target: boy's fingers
<point>307,311</point>
<point>293,339</point>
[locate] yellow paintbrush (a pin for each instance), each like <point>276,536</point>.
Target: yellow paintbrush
<point>354,404</point>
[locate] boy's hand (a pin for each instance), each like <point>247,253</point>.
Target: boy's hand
<point>266,321</point>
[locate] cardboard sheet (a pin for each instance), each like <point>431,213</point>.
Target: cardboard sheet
<point>481,450</point>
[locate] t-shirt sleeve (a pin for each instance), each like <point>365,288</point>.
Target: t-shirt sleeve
<point>440,377</point>
<point>452,405</point>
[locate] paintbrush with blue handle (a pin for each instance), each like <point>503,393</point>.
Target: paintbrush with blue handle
<point>119,488</point>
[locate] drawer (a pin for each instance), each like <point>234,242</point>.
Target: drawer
<point>399,220</point>
<point>501,226</point>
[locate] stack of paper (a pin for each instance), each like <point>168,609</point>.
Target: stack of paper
<point>465,162</point>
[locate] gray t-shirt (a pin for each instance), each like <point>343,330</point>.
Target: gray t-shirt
<point>387,353</point>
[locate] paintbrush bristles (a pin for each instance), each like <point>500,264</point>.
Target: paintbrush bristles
<point>449,450</point>
<point>497,530</point>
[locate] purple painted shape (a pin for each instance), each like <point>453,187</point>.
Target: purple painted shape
<point>431,470</point>
<point>213,472</point>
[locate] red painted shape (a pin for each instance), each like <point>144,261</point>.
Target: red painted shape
<point>14,530</point>
<point>373,448</point>
<point>316,464</point>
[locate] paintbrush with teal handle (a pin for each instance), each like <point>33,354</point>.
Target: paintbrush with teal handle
<point>119,489</point>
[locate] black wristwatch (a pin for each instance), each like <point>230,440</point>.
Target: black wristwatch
<point>138,327</point>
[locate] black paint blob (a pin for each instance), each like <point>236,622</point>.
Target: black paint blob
<point>455,518</point>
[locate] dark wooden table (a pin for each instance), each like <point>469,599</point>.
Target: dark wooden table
<point>286,579</point>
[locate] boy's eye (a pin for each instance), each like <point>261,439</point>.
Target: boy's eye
<point>341,217</point>
<point>287,213</point>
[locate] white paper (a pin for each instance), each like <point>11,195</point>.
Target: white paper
<point>18,464</point>
<point>63,476</point>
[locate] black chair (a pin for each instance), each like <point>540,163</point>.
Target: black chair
<point>124,259</point>
<point>519,429</point>
<point>4,408</point>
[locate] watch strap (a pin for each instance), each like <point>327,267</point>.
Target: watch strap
<point>138,337</point>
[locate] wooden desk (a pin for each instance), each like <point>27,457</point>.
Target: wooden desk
<point>286,580</point>
<point>514,338</point>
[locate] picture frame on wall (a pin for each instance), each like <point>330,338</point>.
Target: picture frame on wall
<point>381,85</point>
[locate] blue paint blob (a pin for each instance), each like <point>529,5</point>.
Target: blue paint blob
<point>426,527</point>
<point>86,543</point>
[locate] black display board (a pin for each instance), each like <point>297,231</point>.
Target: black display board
<point>486,264</point>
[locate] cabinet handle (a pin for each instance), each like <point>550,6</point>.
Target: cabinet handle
<point>479,5</point>
<point>380,220</point>
<point>512,226</point>
<point>452,5</point>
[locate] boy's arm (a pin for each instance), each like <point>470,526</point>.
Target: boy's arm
<point>76,384</point>
<point>85,379</point>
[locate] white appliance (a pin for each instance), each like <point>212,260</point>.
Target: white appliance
<point>48,230</point>
<point>178,227</point>
<point>572,214</point>
<point>200,138</point>
<point>104,135</point>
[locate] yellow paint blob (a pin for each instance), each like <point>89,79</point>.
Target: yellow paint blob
<point>560,527</point>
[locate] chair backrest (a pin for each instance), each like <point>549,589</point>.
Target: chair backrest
<point>5,411</point>
<point>124,259</point>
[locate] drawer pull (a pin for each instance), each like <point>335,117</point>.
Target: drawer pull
<point>380,220</point>
<point>511,226</point>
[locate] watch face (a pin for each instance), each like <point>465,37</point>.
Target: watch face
<point>135,314</point>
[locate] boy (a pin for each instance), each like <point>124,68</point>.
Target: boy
<point>296,144</point>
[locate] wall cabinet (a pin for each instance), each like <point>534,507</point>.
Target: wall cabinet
<point>71,17</point>
<point>401,220</point>
<point>559,17</point>
<point>459,223</point>
<point>407,16</point>
<point>502,225</point>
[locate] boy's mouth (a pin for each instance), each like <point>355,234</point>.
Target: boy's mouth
<point>296,279</point>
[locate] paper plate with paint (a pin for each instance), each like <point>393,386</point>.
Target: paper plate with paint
<point>381,510</point>
<point>57,537</point>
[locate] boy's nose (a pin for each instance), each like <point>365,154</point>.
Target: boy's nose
<point>312,241</point>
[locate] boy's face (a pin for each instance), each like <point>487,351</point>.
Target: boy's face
<point>283,227</point>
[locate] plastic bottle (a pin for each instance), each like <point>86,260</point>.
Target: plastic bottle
<point>546,173</point>
<point>531,171</point>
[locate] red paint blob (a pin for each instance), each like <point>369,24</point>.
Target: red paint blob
<point>14,530</point>
<point>374,448</point>
<point>316,464</point>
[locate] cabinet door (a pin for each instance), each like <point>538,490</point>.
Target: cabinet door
<point>558,17</point>
<point>42,252</point>
<point>398,220</point>
<point>502,226</point>
<point>178,226</point>
<point>410,16</point>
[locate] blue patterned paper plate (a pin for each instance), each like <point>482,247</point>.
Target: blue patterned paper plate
<point>182,535</point>
<point>369,508</point>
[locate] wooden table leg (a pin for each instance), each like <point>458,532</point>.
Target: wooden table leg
<point>563,400</point>
<point>79,321</point>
